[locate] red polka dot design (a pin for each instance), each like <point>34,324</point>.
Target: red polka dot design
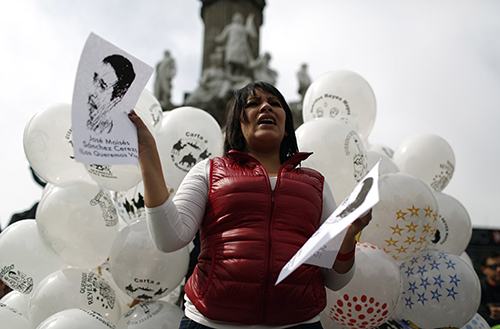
<point>359,312</point>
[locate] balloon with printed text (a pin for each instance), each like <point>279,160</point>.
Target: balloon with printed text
<point>428,157</point>
<point>344,96</point>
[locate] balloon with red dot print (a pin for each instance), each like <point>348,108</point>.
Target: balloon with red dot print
<point>371,297</point>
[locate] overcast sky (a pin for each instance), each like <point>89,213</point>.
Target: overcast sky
<point>434,67</point>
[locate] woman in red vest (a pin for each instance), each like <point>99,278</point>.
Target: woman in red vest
<point>254,209</point>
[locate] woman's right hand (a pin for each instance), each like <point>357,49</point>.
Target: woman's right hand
<point>147,143</point>
<point>155,188</point>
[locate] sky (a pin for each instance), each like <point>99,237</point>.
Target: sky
<point>434,67</point>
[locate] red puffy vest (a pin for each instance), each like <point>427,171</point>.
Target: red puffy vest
<point>248,234</point>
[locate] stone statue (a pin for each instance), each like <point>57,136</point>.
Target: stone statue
<point>165,71</point>
<point>262,71</point>
<point>304,80</point>
<point>237,52</point>
<point>213,83</point>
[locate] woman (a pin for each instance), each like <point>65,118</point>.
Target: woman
<point>254,208</point>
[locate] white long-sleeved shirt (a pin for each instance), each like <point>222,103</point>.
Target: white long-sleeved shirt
<point>174,224</point>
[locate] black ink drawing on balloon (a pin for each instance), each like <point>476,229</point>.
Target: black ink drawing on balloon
<point>441,180</point>
<point>189,150</point>
<point>107,207</point>
<point>359,159</point>
<point>16,279</point>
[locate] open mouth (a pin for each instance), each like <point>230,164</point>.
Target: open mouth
<point>267,120</point>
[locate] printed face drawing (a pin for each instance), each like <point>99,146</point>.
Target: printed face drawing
<point>110,82</point>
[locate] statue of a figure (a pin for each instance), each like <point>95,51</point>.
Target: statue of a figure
<point>213,83</point>
<point>262,71</point>
<point>238,54</point>
<point>304,80</point>
<point>165,71</point>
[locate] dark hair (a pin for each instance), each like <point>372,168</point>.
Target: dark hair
<point>124,72</point>
<point>489,254</point>
<point>234,139</point>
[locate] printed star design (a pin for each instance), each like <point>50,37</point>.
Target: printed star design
<point>401,215</point>
<point>422,240</point>
<point>409,303</point>
<point>442,255</point>
<point>396,229</point>
<point>413,286</point>
<point>438,281</point>
<point>451,292</point>
<point>436,215</point>
<point>409,240</point>
<point>454,279</point>
<point>417,249</point>
<point>424,283</point>
<point>434,265</point>
<point>427,257</point>
<point>414,260</point>
<point>401,250</point>
<point>436,295</point>
<point>421,270</point>
<point>414,211</point>
<point>402,265</point>
<point>421,298</point>
<point>428,211</point>
<point>411,227</point>
<point>409,271</point>
<point>391,242</point>
<point>427,227</point>
<point>450,264</point>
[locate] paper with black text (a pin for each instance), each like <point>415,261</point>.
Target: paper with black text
<point>322,247</point>
<point>108,85</point>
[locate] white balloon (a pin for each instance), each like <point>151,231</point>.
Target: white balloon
<point>48,145</point>
<point>371,297</point>
<point>404,220</point>
<point>78,222</point>
<point>440,290</point>
<point>467,258</point>
<point>338,153</point>
<point>141,270</point>
<point>153,314</point>
<point>187,135</point>
<point>454,226</point>
<point>477,322</point>
<point>387,166</point>
<point>150,111</point>
<point>17,301</point>
<point>12,318</point>
<point>428,157</point>
<point>381,148</point>
<point>76,318</point>
<point>24,258</point>
<point>344,96</point>
<point>130,204</point>
<point>73,288</point>
<point>115,177</point>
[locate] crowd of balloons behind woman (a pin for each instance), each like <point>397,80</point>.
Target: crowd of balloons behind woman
<point>87,261</point>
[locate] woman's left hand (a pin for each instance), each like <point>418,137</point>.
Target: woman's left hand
<point>359,224</point>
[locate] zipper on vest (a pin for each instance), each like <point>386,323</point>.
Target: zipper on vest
<point>269,244</point>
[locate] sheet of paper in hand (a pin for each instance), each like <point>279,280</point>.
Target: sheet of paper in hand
<point>322,247</point>
<point>108,84</point>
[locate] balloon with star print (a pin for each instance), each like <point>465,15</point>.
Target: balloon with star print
<point>440,290</point>
<point>405,219</point>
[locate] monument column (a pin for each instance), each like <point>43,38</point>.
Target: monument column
<point>216,14</point>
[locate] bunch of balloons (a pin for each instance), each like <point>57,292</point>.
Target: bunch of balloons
<point>411,265</point>
<point>86,260</point>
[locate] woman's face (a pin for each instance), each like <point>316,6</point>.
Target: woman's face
<point>265,128</point>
